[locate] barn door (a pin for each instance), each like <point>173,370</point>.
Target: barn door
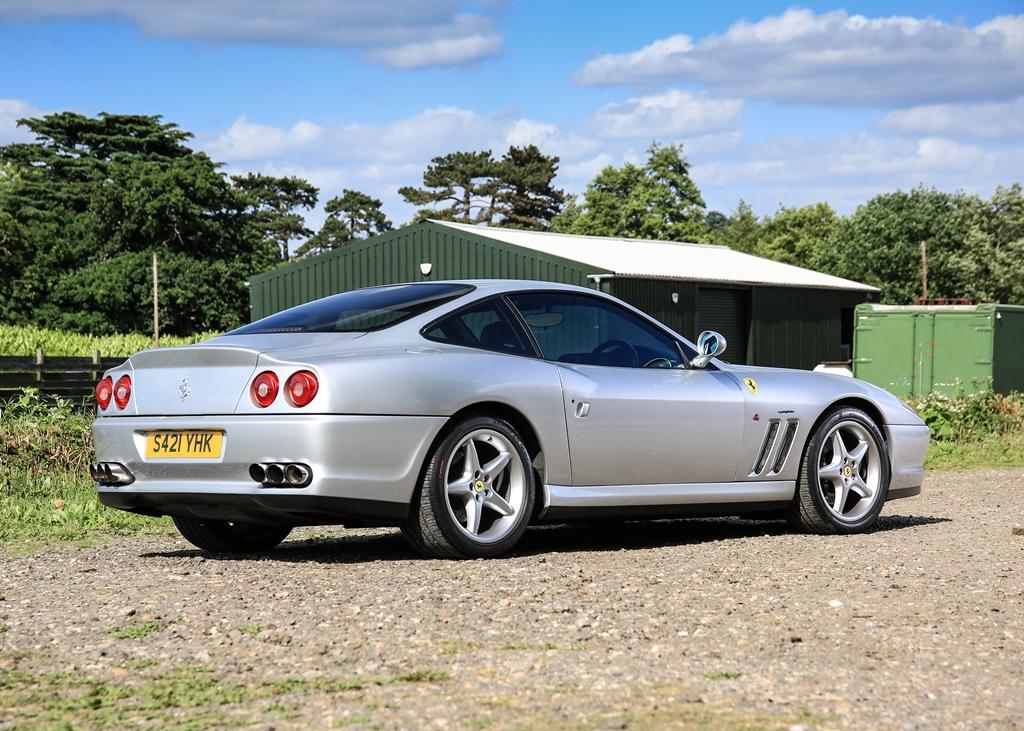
<point>726,311</point>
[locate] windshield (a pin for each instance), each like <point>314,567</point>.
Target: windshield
<point>360,310</point>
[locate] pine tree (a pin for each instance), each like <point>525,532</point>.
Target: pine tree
<point>351,216</point>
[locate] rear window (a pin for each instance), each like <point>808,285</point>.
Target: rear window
<point>360,310</point>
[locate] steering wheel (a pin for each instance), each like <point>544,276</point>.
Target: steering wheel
<point>658,362</point>
<point>610,346</point>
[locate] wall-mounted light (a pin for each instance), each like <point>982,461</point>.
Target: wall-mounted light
<point>425,268</point>
<point>675,298</point>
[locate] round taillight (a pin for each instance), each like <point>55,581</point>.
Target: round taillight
<point>301,387</point>
<point>264,389</point>
<point>104,390</point>
<point>123,391</point>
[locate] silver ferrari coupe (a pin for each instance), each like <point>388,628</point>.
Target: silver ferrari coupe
<point>465,411</point>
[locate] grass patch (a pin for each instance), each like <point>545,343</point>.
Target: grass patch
<point>1004,450</point>
<point>67,700</point>
<point>723,675</point>
<point>136,631</point>
<point>513,647</point>
<point>3,627</point>
<point>185,699</point>
<point>250,629</point>
<point>418,676</point>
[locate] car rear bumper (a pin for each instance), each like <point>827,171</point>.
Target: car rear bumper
<point>908,446</point>
<point>362,466</point>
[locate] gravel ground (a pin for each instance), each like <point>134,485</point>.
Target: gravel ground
<point>707,623</point>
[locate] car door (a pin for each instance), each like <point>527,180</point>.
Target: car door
<point>634,416</point>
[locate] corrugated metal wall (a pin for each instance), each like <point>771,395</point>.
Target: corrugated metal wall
<point>396,257</point>
<point>798,328</point>
<point>654,296</point>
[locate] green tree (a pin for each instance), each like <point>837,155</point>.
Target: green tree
<point>275,204</point>
<point>742,230</point>
<point>565,220</point>
<point>459,186</point>
<point>84,207</point>
<point>525,196</point>
<point>991,264</point>
<point>880,244</point>
<point>658,200</point>
<point>351,216</point>
<point>793,235</point>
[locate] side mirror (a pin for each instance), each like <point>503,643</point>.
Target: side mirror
<point>709,345</point>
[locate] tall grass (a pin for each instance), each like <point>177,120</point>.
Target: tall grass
<point>20,340</point>
<point>45,489</point>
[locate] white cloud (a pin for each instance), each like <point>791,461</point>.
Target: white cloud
<point>672,113</point>
<point>398,33</point>
<point>442,51</point>
<point>245,140</point>
<point>983,121</point>
<point>11,110</point>
<point>834,59</point>
<point>848,170</point>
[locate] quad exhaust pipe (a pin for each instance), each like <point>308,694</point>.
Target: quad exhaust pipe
<point>110,473</point>
<point>277,474</point>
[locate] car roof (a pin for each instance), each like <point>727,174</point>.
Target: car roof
<point>503,285</point>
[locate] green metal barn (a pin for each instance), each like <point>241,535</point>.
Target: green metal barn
<point>770,313</point>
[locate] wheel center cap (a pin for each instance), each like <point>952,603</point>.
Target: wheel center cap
<point>848,471</point>
<point>478,485</point>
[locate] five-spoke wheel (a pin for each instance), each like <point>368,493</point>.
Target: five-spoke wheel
<point>477,492</point>
<point>486,485</point>
<point>849,470</point>
<point>844,475</point>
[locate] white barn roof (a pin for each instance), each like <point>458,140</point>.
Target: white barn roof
<point>664,259</point>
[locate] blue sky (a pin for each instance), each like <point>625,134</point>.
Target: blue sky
<point>777,104</point>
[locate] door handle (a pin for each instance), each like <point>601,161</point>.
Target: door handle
<point>582,408</point>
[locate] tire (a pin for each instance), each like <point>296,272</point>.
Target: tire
<point>220,537</point>
<point>830,470</point>
<point>459,492</point>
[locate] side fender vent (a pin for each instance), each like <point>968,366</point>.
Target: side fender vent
<point>766,446</point>
<point>787,445</point>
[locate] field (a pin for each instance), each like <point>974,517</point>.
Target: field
<point>19,340</point>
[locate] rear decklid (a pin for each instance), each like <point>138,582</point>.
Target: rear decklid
<point>208,378</point>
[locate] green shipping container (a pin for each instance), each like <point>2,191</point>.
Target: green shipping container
<point>915,350</point>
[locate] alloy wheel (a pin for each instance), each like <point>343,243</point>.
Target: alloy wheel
<point>849,471</point>
<point>485,484</point>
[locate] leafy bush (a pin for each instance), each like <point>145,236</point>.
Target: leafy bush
<point>969,417</point>
<point>19,340</point>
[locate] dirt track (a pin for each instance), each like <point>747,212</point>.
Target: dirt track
<point>717,622</point>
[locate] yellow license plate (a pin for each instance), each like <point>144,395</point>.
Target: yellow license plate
<point>184,444</point>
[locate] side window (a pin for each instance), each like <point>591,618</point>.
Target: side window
<point>577,329</point>
<point>487,326</point>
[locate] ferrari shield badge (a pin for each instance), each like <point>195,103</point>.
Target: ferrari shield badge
<point>752,385</point>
